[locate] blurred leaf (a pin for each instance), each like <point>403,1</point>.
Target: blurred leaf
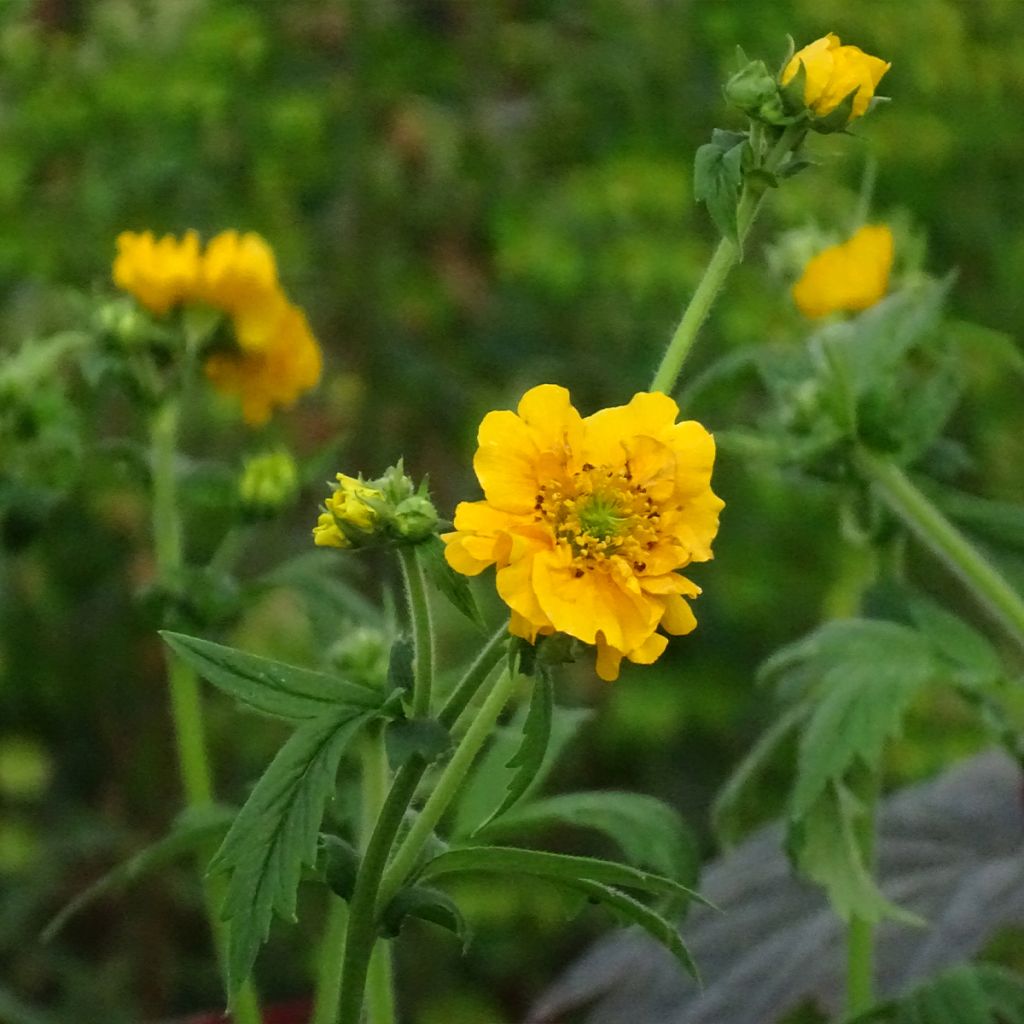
<point>194,829</point>
<point>416,737</point>
<point>649,832</point>
<point>998,521</point>
<point>275,833</point>
<point>957,642</point>
<point>401,676</point>
<point>270,687</point>
<point>533,748</point>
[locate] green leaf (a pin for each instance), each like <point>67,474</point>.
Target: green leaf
<point>339,862</point>
<point>824,845</point>
<point>649,832</point>
<point>427,904</point>
<point>727,812</point>
<point>862,676</point>
<point>419,737</point>
<point>1000,522</point>
<point>400,666</point>
<point>527,760</point>
<point>270,687</point>
<point>452,585</point>
<point>969,994</point>
<point>957,642</point>
<point>718,175</point>
<point>194,829</point>
<point>275,833</point>
<point>492,776</point>
<point>554,866</point>
<point>635,912</point>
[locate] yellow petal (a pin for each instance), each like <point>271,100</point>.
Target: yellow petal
<point>678,618</point>
<point>649,651</point>
<point>608,661</point>
<point>848,277</point>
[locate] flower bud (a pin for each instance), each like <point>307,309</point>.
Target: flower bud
<point>268,483</point>
<point>362,655</point>
<point>756,92</point>
<point>347,521</point>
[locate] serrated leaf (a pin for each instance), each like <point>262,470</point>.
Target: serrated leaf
<point>193,830</point>
<point>824,845</point>
<point>527,760</point>
<point>635,912</point>
<point>492,776</point>
<point>717,177</point>
<point>452,585</point>
<point>554,866</point>
<point>270,687</point>
<point>864,675</point>
<point>427,904</point>
<point>648,831</point>
<point>956,641</point>
<point>275,833</point>
<point>726,812</point>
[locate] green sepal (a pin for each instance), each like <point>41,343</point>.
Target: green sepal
<point>270,687</point>
<point>794,90</point>
<point>426,904</point>
<point>838,119</point>
<point>338,861</point>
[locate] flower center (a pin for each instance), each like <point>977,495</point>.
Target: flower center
<point>600,512</point>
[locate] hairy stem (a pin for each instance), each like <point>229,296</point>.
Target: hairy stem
<point>860,933</point>
<point>931,527</point>
<point>422,632</point>
<point>186,704</point>
<point>725,257</point>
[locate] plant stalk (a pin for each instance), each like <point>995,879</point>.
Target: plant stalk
<point>422,631</point>
<point>860,933</point>
<point>725,257</point>
<point>945,540</point>
<point>186,704</point>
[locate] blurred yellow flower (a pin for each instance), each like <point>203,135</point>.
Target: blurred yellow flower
<point>588,520</point>
<point>160,274</point>
<point>287,365</point>
<point>238,275</point>
<point>277,357</point>
<point>346,508</point>
<point>847,277</point>
<point>833,72</point>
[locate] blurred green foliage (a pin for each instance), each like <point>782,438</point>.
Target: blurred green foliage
<point>469,199</point>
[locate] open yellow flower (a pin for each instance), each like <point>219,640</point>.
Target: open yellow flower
<point>832,72</point>
<point>288,364</point>
<point>588,520</point>
<point>160,274</point>
<point>847,277</point>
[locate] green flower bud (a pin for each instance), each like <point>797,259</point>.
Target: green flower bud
<point>269,482</point>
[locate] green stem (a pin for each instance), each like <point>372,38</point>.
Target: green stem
<point>422,632</point>
<point>332,956</point>
<point>860,934</point>
<point>945,541</point>
<point>725,257</point>
<point>186,705</point>
<point>448,785</point>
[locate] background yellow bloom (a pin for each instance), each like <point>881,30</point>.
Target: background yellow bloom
<point>847,277</point>
<point>588,520</point>
<point>160,274</point>
<point>833,72</point>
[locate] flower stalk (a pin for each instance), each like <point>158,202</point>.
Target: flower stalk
<point>860,932</point>
<point>186,704</point>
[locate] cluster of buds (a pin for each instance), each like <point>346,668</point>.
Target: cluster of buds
<point>269,482</point>
<point>373,513</point>
<point>827,85</point>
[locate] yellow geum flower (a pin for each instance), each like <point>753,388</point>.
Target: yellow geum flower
<point>160,274</point>
<point>238,274</point>
<point>288,364</point>
<point>847,277</point>
<point>832,72</point>
<point>588,520</point>
<point>346,507</point>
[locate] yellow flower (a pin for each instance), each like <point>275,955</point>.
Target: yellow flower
<point>160,274</point>
<point>850,276</point>
<point>588,520</point>
<point>238,275</point>
<point>288,364</point>
<point>833,72</point>
<point>346,508</point>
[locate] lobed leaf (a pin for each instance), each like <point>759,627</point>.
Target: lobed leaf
<point>275,834</point>
<point>270,687</point>
<point>717,177</point>
<point>452,585</point>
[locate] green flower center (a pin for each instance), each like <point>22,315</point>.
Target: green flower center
<point>600,515</point>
